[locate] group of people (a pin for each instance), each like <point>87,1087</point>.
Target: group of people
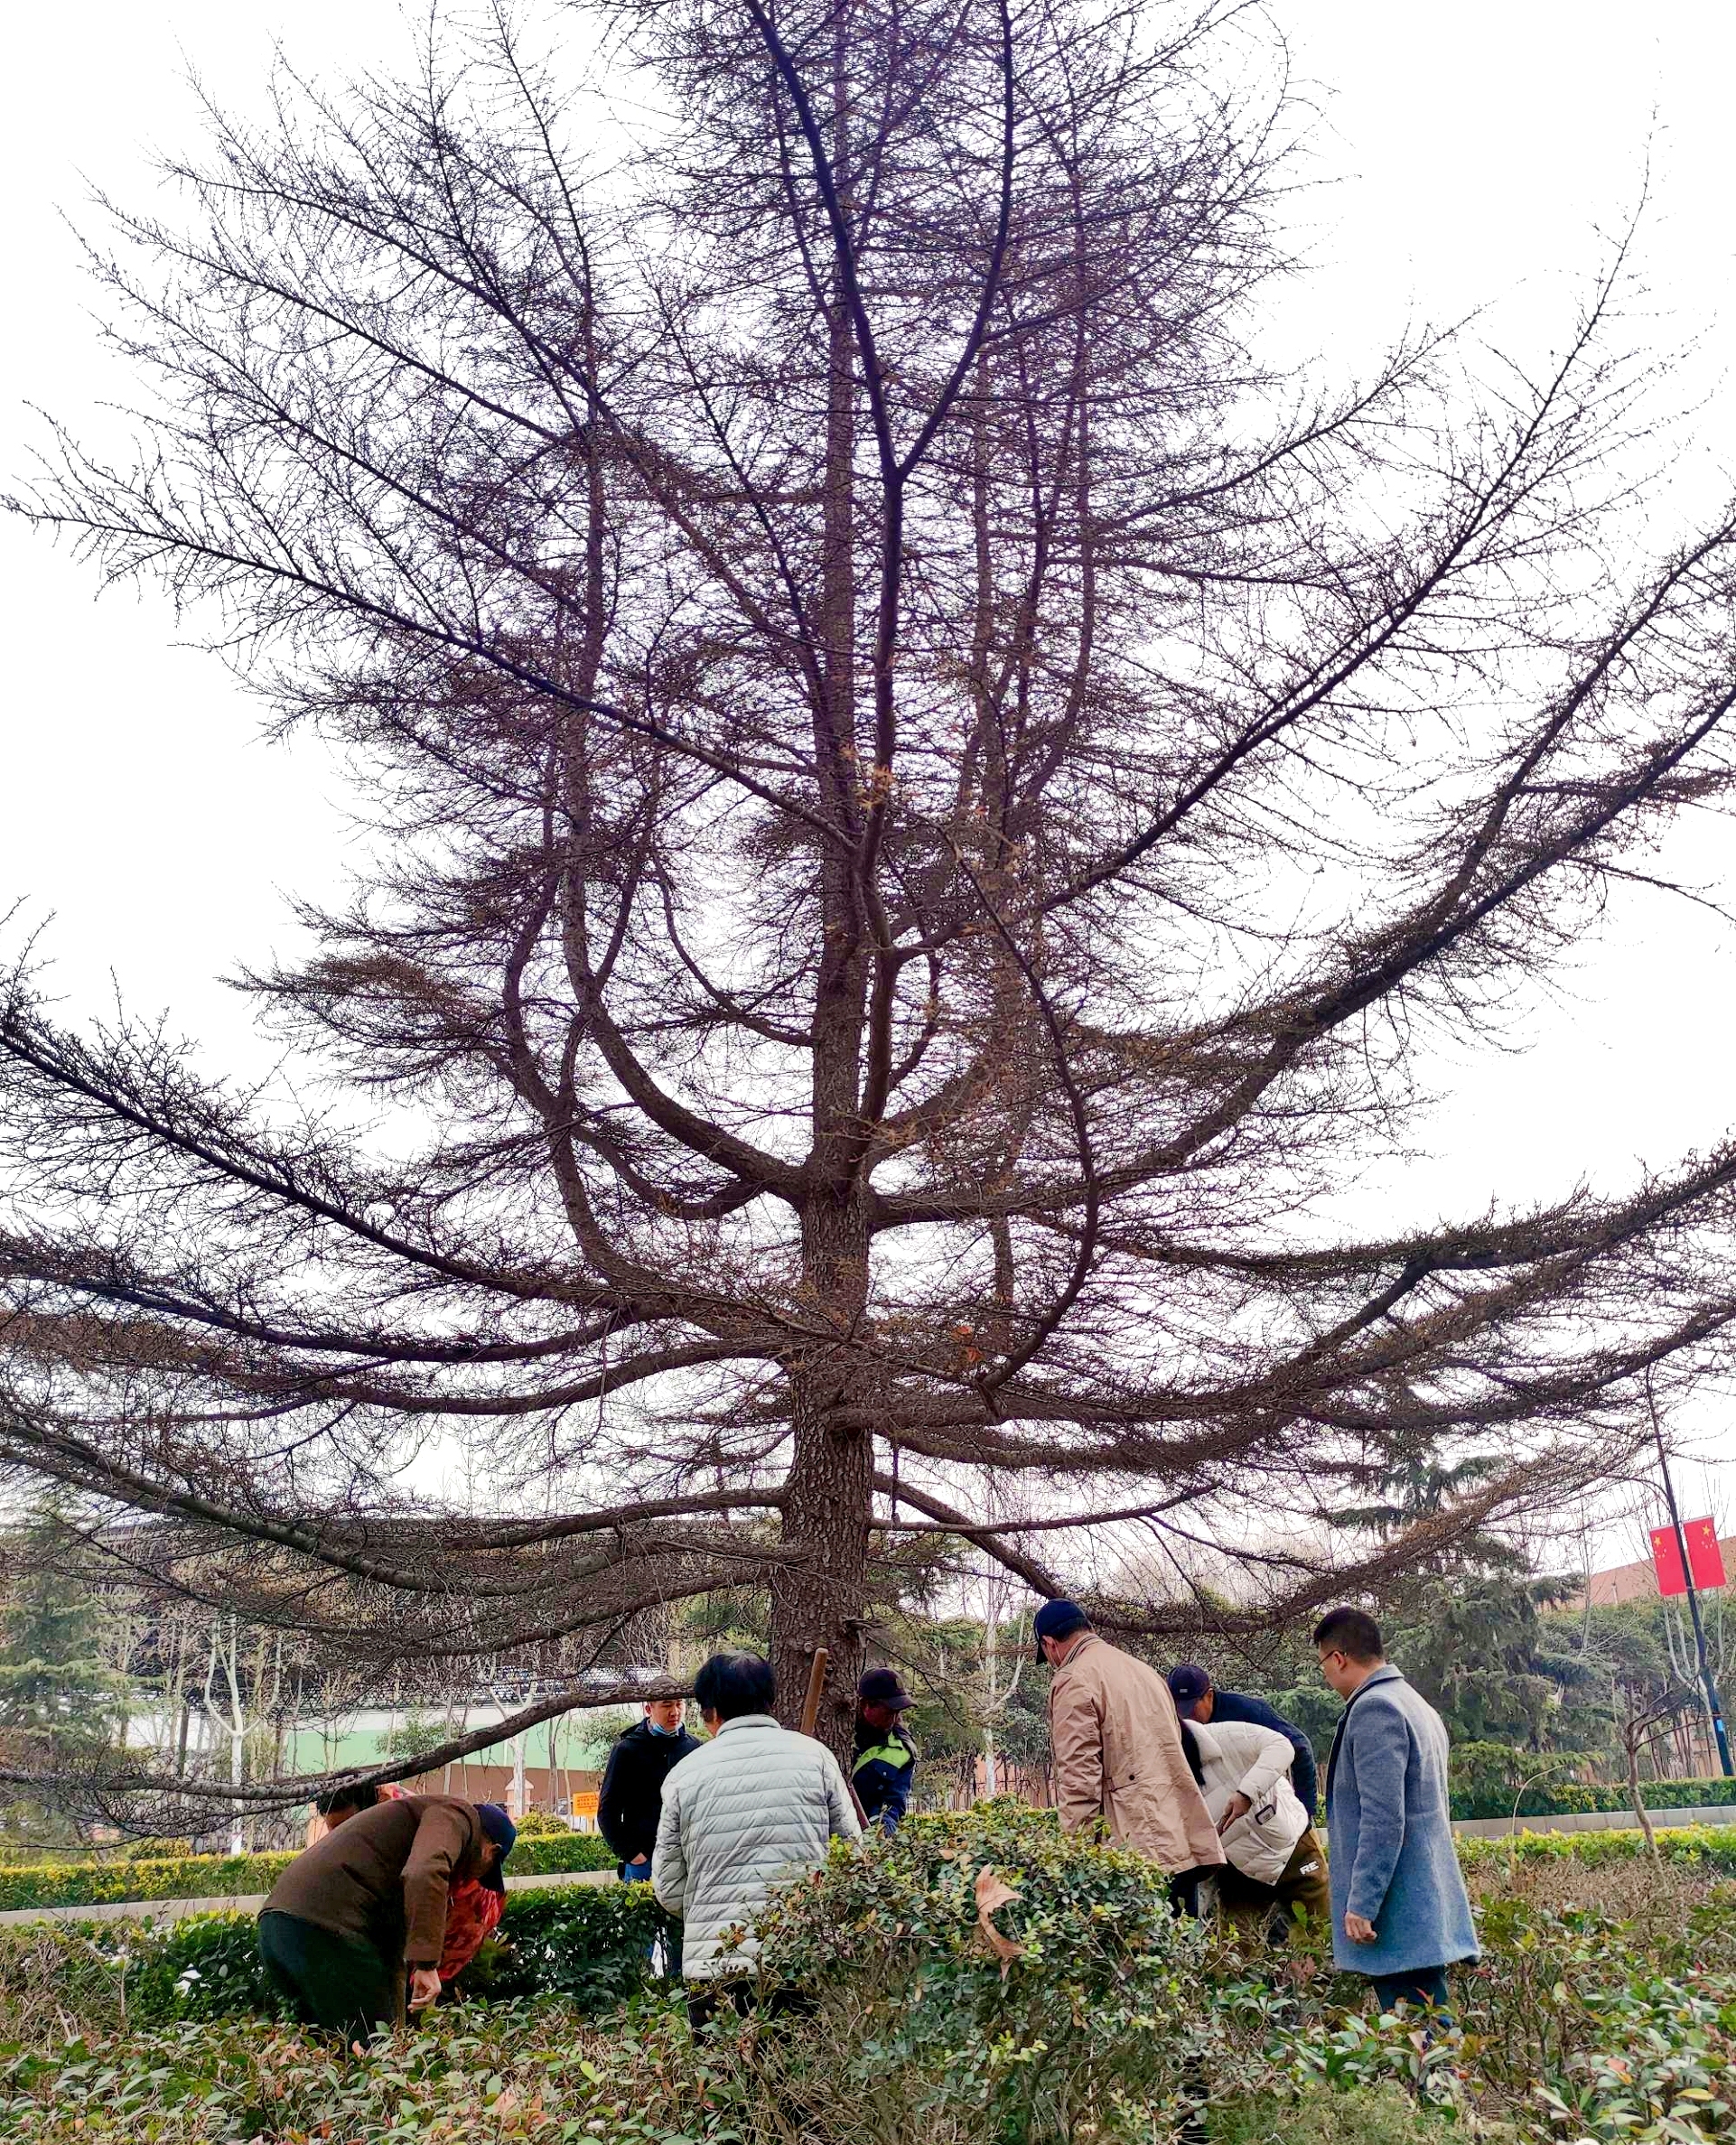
<point>1213,1787</point>
<point>1221,1793</point>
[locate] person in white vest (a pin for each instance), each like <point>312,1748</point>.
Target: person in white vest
<point>753,1808</point>
<point>1277,1868</point>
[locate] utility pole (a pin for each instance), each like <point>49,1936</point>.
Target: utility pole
<point>1717,1711</point>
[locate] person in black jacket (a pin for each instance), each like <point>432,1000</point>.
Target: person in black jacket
<point>885,1758</point>
<point>1196,1699</point>
<point>631,1800</point>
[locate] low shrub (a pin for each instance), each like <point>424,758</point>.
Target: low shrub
<point>521,2073</point>
<point>1384,2114</point>
<point>169,1876</point>
<point>1489,1778</point>
<point>1001,1970</point>
<point>543,1825</point>
<point>207,1966</point>
<point>65,1978</point>
<point>1060,2000</point>
<point>549,1854</point>
<point>588,1944</point>
<point>1710,1847</point>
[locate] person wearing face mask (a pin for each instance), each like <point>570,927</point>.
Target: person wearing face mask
<point>883,1763</point>
<point>631,1799</point>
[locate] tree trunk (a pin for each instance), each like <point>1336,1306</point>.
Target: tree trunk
<point>818,1601</point>
<point>819,1596</point>
<point>1636,1797</point>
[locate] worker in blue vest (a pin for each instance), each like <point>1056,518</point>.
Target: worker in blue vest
<point>885,1756</point>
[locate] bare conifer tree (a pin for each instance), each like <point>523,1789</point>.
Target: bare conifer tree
<point>926,807</point>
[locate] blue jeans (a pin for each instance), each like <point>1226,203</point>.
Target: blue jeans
<point>1424,1986</point>
<point>670,1931</point>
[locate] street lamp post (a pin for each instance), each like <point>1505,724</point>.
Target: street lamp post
<point>1716,1709</point>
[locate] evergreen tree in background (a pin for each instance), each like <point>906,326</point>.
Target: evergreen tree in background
<point>60,1705</point>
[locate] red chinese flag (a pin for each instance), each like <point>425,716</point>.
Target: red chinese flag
<point>1705,1558</point>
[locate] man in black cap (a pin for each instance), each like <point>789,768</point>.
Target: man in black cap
<point>367,1905</point>
<point>885,1756</point>
<point>1197,1698</point>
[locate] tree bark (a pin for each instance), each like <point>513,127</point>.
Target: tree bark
<point>817,1598</point>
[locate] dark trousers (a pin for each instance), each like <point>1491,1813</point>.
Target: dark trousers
<point>1424,1986</point>
<point>335,1982</point>
<point>706,1999</point>
<point>668,1931</point>
<point>1185,1888</point>
<point>1303,1885</point>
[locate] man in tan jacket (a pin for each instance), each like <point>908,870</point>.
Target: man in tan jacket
<point>1118,1754</point>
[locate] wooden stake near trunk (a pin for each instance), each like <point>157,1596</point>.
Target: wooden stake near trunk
<point>816,1685</point>
<point>811,1717</point>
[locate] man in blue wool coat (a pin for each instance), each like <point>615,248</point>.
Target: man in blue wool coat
<point>1400,1913</point>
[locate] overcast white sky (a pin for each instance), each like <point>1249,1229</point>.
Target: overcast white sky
<point>1464,155</point>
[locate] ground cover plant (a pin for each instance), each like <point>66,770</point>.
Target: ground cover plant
<point>981,1980</point>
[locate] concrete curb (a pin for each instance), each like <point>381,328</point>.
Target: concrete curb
<point>177,1910</point>
<point>1592,1821</point>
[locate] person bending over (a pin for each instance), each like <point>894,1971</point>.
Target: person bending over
<point>368,1904</point>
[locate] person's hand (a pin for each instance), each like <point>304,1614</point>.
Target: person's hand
<point>638,1861</point>
<point>425,1987</point>
<point>1359,1929</point>
<point>1238,1805</point>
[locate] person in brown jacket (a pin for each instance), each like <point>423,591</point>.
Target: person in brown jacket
<point>361,1906</point>
<point>1119,1754</point>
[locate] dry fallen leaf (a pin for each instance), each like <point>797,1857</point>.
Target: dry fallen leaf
<point>992,1893</point>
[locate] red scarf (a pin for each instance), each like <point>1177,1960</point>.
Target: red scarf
<point>472,1911</point>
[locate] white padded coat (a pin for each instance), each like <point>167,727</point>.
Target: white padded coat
<point>1241,1758</point>
<point>753,1807</point>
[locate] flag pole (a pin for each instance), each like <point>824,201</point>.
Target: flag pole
<point>1713,1704</point>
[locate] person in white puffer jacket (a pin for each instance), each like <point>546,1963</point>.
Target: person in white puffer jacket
<point>755,1807</point>
<point>1276,1862</point>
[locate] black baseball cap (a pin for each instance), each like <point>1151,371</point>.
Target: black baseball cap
<point>1056,1619</point>
<point>880,1686</point>
<point>1188,1684</point>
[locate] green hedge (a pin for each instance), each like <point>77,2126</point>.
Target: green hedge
<point>1586,1797</point>
<point>223,1876</point>
<point>589,1943</point>
<point>1706,1845</point>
